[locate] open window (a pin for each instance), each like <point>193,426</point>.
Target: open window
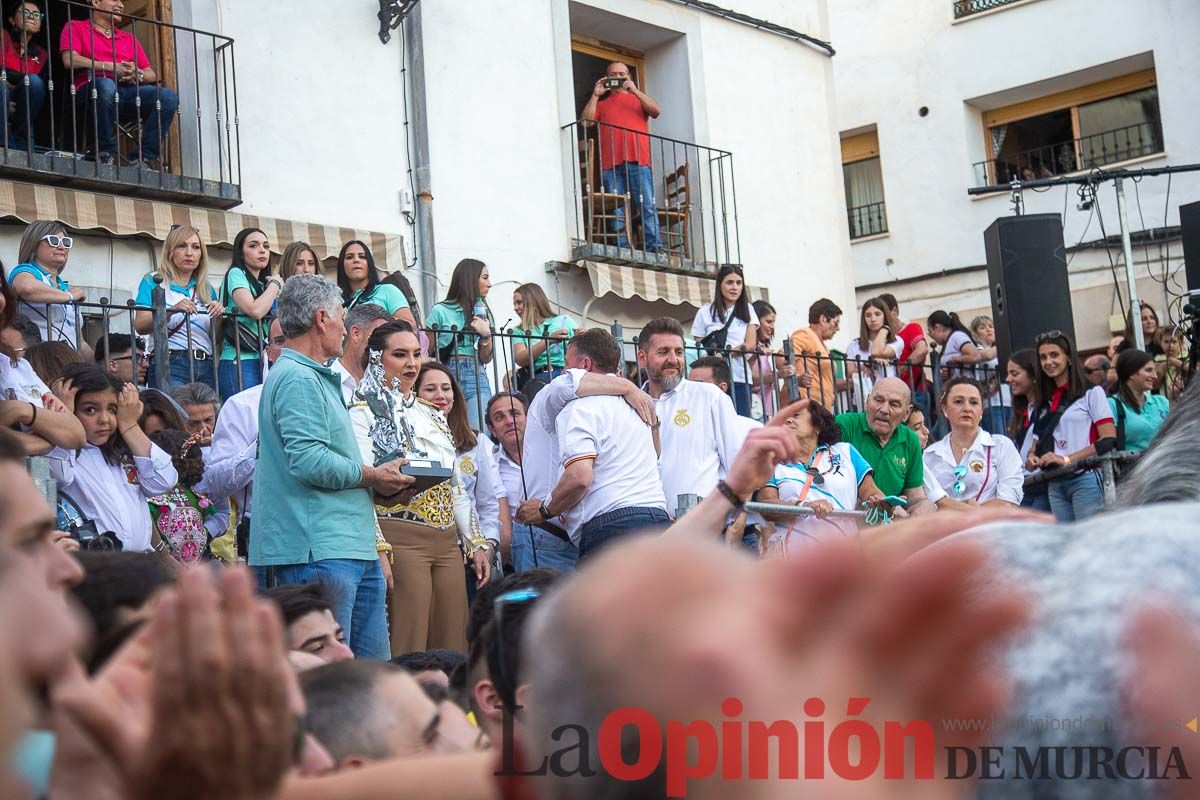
<point>590,59</point>
<point>1096,125</point>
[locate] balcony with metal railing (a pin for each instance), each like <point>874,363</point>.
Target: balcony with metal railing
<point>867,220</point>
<point>650,201</point>
<point>967,8</point>
<point>1049,161</point>
<point>159,119</point>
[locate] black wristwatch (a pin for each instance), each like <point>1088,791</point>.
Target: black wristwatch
<point>545,512</point>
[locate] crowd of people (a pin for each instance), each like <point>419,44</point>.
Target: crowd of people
<point>401,510</point>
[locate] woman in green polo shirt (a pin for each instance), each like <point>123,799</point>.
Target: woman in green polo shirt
<point>542,337</point>
<point>358,278</point>
<point>1138,413</point>
<point>248,294</point>
<point>466,344</point>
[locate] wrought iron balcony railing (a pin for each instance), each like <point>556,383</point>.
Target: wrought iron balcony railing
<point>651,201</point>
<point>169,131</point>
<point>966,8</point>
<point>1052,160</point>
<point>867,220</point>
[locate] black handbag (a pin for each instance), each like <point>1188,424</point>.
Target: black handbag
<point>715,342</point>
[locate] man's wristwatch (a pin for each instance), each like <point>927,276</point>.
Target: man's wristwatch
<point>545,512</point>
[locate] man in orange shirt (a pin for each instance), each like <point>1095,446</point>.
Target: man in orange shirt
<point>623,117</point>
<point>816,374</point>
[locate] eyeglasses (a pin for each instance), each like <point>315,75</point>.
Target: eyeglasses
<point>35,15</point>
<point>506,684</point>
<point>141,358</point>
<point>54,240</point>
<point>960,487</point>
<point>1047,336</point>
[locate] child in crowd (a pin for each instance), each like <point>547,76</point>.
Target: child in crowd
<point>179,514</point>
<point>119,469</point>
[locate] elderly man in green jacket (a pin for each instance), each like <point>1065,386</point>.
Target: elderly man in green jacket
<point>314,519</point>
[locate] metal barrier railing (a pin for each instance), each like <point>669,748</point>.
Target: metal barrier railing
<point>1108,464</point>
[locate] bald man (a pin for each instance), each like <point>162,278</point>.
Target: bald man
<point>888,445</point>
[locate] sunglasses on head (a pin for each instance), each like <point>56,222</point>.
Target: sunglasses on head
<point>54,240</point>
<point>1049,336</point>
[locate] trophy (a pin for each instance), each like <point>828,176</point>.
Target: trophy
<point>390,440</point>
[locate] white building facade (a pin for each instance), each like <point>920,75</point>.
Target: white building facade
<point>457,139</point>
<point>938,96</point>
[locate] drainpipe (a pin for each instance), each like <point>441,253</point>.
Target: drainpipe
<point>415,52</point>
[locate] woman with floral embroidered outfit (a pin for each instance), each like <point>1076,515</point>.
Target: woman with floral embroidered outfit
<point>179,514</point>
<point>248,293</point>
<point>430,535</point>
<point>830,475</point>
<point>47,299</point>
<point>192,303</point>
<point>113,476</point>
<point>475,464</point>
<point>971,465</point>
<point>358,278</point>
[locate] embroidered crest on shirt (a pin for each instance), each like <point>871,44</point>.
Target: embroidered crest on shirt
<point>682,419</point>
<point>467,465</point>
<point>976,466</point>
<point>900,461</point>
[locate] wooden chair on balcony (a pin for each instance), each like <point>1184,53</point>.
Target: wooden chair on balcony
<point>599,207</point>
<point>673,230</point>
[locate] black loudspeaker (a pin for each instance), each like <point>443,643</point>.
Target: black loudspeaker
<point>1027,278</point>
<point>1189,225</point>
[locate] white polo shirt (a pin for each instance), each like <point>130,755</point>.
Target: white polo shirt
<point>539,449</point>
<point>993,469</point>
<point>349,382</point>
<point>1078,426</point>
<point>605,429</point>
<point>229,467</point>
<point>700,435</point>
<point>115,499</point>
<point>510,479</point>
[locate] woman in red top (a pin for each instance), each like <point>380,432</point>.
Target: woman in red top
<point>22,86</point>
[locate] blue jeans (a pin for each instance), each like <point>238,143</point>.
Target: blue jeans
<point>1073,499</point>
<point>600,531</point>
<point>743,395</point>
<point>637,181</point>
<point>921,401</point>
<point>181,374</point>
<point>996,419</point>
<point>29,102</point>
<point>533,548</point>
<point>473,378</point>
<point>358,592</point>
<point>227,375</point>
<point>155,124</point>
<point>1037,498</point>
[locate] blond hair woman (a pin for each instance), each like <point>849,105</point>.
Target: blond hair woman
<point>192,304</point>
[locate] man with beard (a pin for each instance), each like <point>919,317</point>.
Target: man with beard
<point>700,433</point>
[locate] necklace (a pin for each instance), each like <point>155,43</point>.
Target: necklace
<point>959,452</point>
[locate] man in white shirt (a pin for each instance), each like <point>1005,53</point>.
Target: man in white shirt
<point>700,434</point>
<point>229,463</point>
<point>532,547</point>
<point>361,322</point>
<point>609,485</point>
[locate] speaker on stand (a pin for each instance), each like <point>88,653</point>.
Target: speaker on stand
<point>1189,229</point>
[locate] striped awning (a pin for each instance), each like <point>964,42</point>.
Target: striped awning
<point>649,284</point>
<point>126,216</point>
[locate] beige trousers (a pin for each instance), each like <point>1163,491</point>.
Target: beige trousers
<point>428,606</point>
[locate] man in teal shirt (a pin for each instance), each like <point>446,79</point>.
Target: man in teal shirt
<point>314,519</point>
<point>888,445</point>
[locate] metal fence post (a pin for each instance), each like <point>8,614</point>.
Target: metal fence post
<point>1109,481</point>
<point>793,383</point>
<point>618,331</point>
<point>158,334</point>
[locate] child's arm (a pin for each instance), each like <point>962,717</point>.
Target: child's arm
<point>156,473</point>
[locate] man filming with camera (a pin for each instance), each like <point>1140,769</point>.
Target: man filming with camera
<point>622,114</point>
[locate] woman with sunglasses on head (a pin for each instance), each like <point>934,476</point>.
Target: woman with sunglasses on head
<point>192,304</point>
<point>729,328</point>
<point>46,298</point>
<point>1072,423</point>
<point>358,278</point>
<point>248,294</point>
<point>829,475</point>
<point>429,535</point>
<point>971,465</point>
<point>1021,378</point>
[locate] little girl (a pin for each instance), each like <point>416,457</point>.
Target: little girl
<point>179,514</point>
<point>111,478</point>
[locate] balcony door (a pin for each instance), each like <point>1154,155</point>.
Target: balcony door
<point>590,59</point>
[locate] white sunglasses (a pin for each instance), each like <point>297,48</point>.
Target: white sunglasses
<point>54,240</point>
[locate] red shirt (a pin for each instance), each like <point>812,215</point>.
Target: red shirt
<point>81,37</point>
<point>624,110</point>
<point>913,375</point>
<point>29,64</point>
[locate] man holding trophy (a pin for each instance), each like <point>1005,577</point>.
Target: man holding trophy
<point>430,527</point>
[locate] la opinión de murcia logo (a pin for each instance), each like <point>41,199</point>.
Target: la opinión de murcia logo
<point>852,750</point>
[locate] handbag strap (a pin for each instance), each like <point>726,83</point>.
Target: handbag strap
<point>811,476</point>
<point>1120,424</point>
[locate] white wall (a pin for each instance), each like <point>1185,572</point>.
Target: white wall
<point>896,57</point>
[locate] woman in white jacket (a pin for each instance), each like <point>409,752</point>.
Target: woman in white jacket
<point>431,534</point>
